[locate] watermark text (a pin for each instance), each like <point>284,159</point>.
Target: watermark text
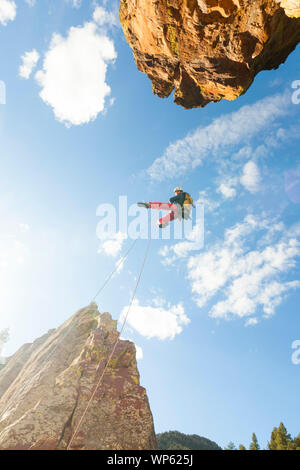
<point>296,353</point>
<point>2,92</point>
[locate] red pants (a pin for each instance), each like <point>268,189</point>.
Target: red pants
<point>165,206</point>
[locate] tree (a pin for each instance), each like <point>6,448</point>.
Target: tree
<point>241,447</point>
<point>230,446</point>
<point>296,443</point>
<point>254,444</point>
<point>280,439</point>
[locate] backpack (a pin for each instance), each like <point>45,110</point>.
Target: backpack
<point>188,200</point>
<point>187,206</point>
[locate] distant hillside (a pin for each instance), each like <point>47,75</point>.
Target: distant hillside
<point>174,440</point>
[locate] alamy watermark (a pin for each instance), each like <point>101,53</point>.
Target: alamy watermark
<point>296,353</point>
<point>296,95</point>
<point>135,222</point>
<point>2,92</point>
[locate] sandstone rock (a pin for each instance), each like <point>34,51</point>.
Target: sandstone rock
<point>14,364</point>
<point>208,49</point>
<point>45,393</point>
<point>291,7</point>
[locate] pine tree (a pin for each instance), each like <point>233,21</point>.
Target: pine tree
<point>296,443</point>
<point>254,444</point>
<point>230,446</point>
<point>272,443</point>
<point>280,439</point>
<point>241,447</point>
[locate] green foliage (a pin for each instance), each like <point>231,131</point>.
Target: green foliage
<point>230,446</point>
<point>296,442</point>
<point>254,444</point>
<point>174,440</point>
<point>280,439</point>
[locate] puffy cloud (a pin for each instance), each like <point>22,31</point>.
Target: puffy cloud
<point>194,241</point>
<point>228,191</point>
<point>103,17</point>
<point>112,246</point>
<point>30,60</point>
<point>245,272</point>
<point>251,321</point>
<point>162,322</point>
<point>246,278</point>
<point>73,77</point>
<point>8,11</point>
<point>139,353</point>
<point>251,177</point>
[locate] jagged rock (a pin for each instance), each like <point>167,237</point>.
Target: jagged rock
<point>208,49</point>
<point>291,7</point>
<point>45,388</point>
<point>14,364</point>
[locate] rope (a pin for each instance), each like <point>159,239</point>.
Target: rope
<point>122,259</point>
<point>113,350</point>
<point>183,178</point>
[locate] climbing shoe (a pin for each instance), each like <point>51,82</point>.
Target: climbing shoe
<point>144,204</point>
<point>162,225</point>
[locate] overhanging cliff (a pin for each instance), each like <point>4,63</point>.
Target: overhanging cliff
<point>207,50</point>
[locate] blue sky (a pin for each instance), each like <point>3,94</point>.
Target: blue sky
<point>81,127</point>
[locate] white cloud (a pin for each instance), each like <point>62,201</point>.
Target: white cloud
<point>194,241</point>
<point>30,60</point>
<point>73,77</point>
<point>250,178</point>
<point>103,17</point>
<point>113,245</point>
<point>8,11</point>
<point>76,3</point>
<point>227,190</point>
<point>209,204</point>
<point>162,322</point>
<point>251,321</point>
<point>247,278</point>
<point>219,137</point>
<point>139,353</point>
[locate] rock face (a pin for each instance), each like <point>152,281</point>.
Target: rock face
<point>208,49</point>
<point>291,7</point>
<point>45,388</point>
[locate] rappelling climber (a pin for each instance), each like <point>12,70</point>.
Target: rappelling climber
<point>180,206</point>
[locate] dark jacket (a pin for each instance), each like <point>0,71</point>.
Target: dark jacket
<point>179,199</point>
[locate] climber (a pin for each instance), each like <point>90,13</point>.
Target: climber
<point>180,205</point>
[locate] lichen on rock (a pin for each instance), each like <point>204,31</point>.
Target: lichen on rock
<point>45,387</point>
